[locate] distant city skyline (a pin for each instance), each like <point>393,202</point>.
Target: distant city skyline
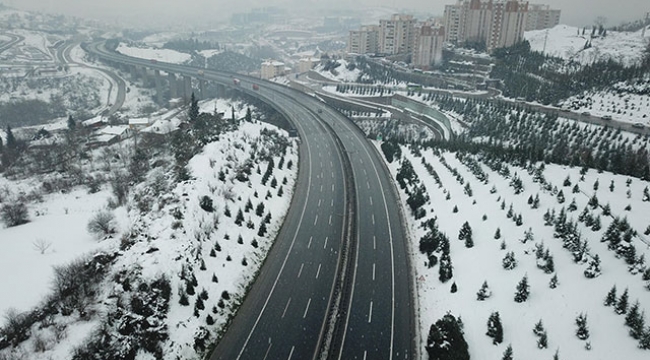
<point>574,12</point>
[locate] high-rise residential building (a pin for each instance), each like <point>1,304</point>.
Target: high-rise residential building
<point>541,17</point>
<point>494,23</point>
<point>429,40</point>
<point>397,35</point>
<point>364,41</point>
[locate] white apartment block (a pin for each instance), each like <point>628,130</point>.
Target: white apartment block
<point>397,35</point>
<point>541,17</point>
<point>497,23</point>
<point>364,41</point>
<point>427,51</point>
<point>271,69</point>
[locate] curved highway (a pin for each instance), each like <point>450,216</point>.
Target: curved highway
<point>288,311</point>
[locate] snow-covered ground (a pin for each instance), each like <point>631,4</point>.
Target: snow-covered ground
<point>568,42</point>
<point>340,73</point>
<point>625,107</point>
<point>164,55</point>
<point>557,308</point>
<point>176,238</point>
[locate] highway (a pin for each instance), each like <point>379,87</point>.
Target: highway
<point>286,314</point>
<point>15,39</point>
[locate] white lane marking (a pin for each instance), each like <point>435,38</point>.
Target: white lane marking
<point>374,242</point>
<point>373,219</point>
<point>370,313</point>
<point>309,244</point>
<point>332,187</point>
<point>286,307</point>
<point>286,257</point>
<point>321,188</point>
<point>300,271</point>
<point>330,219</point>
<point>373,272</point>
<point>291,353</point>
<point>371,201</point>
<point>368,184</point>
<point>331,164</point>
<point>360,159</point>
<point>365,354</point>
<point>306,309</point>
<point>318,271</point>
<point>365,172</point>
<point>325,245</point>
<point>332,203</point>
<point>316,219</point>
<point>267,350</point>
<point>319,200</point>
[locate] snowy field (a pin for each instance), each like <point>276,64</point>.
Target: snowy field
<point>340,73</point>
<point>625,107</point>
<point>165,55</point>
<point>485,208</point>
<point>567,42</point>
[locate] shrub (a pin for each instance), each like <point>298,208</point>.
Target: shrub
<point>14,214</point>
<point>102,224</point>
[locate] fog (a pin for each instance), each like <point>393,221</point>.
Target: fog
<point>574,12</point>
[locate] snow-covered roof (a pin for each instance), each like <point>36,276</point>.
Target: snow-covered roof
<point>139,121</point>
<point>114,130</point>
<point>95,120</point>
<point>273,63</point>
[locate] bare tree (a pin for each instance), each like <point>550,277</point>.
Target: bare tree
<point>41,245</point>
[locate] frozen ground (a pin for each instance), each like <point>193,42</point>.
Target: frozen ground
<point>165,55</point>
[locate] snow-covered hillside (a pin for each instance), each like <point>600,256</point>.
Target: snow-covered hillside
<point>338,70</point>
<point>568,42</point>
<point>164,55</point>
<point>173,263</point>
<point>464,189</point>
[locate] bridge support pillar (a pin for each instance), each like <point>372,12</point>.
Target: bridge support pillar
<point>221,90</point>
<point>187,88</point>
<point>202,94</point>
<point>158,80</point>
<point>134,72</point>
<point>173,86</point>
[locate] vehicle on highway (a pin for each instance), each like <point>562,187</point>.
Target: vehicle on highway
<point>607,117</point>
<point>638,125</point>
<point>520,99</point>
<point>320,111</point>
<point>153,61</point>
<point>586,113</point>
<point>201,72</point>
<point>236,81</point>
<point>256,87</point>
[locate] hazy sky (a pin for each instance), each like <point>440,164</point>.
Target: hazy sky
<point>574,12</point>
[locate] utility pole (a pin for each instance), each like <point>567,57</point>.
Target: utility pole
<point>545,40</point>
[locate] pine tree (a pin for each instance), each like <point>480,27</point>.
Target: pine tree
<point>542,342</point>
<point>494,328</point>
<point>621,305</point>
<point>240,218</point>
<point>497,233</point>
<point>582,332</point>
<point>523,290</point>
<point>484,292</point>
<point>539,328</point>
<point>594,268</point>
<point>644,342</point>
<point>445,271</point>
<point>509,262</point>
<point>634,319</point>
<point>554,282</point>
<point>508,354</point>
<point>11,140</point>
<point>193,111</point>
<point>72,125</point>
<point>610,299</point>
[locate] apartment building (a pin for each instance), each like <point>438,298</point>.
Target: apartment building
<point>429,41</point>
<point>494,23</point>
<point>271,69</point>
<point>364,41</point>
<point>397,35</point>
<point>541,17</point>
